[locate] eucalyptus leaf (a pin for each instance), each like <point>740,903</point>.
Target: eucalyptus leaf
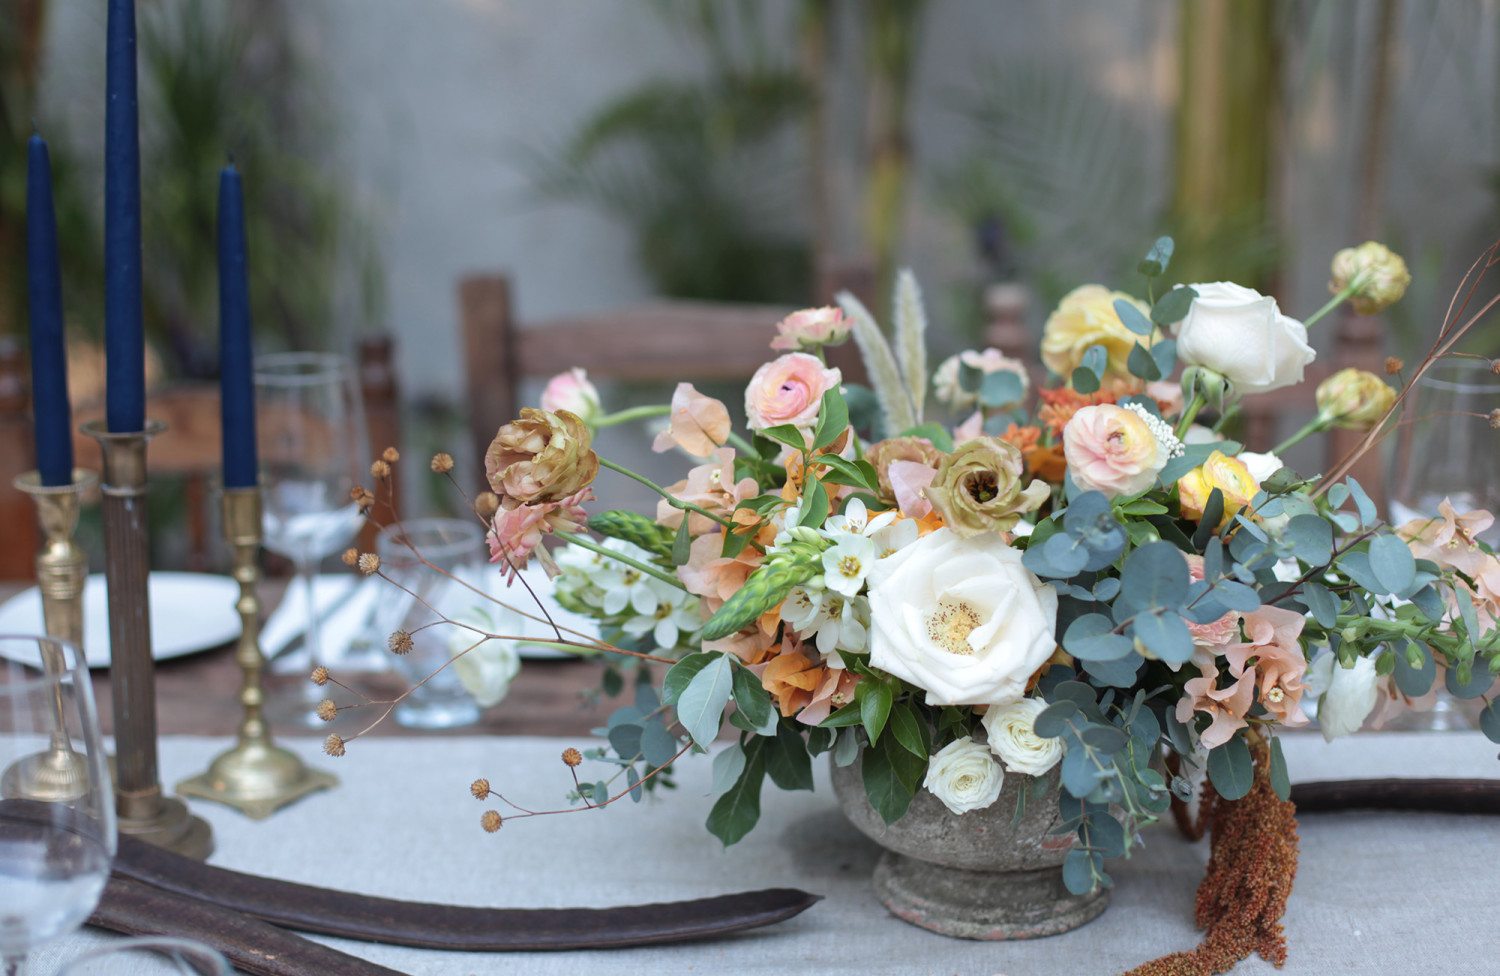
<point>1155,263</point>
<point>1141,363</point>
<point>1311,538</point>
<point>1281,782</point>
<point>657,744</point>
<point>1165,635</point>
<point>1392,563</point>
<point>1133,318</point>
<point>1231,769</point>
<point>1173,306</point>
<point>1000,388</point>
<point>1415,670</point>
<point>1489,720</point>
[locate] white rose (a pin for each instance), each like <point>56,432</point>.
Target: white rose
<point>1012,732</point>
<point>964,776</point>
<point>1241,334</point>
<point>1348,694</point>
<point>961,619</point>
<point>487,671</point>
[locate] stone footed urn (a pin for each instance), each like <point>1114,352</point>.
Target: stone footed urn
<point>981,875</point>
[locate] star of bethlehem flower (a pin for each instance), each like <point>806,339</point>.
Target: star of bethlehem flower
<point>675,615</point>
<point>625,586</point>
<point>831,620</point>
<point>888,531</point>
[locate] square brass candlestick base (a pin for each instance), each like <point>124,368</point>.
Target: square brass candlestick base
<point>256,776</point>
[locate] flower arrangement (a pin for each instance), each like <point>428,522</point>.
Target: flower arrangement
<point>954,579</point>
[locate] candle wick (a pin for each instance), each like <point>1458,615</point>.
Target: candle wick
<point>35,129</point>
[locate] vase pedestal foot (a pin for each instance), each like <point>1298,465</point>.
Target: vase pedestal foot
<point>988,905</point>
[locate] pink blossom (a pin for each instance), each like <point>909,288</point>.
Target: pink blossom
<point>810,328</point>
<point>909,481</point>
<point>698,423</point>
<point>945,380</point>
<point>1112,450</point>
<point>712,576</point>
<point>1227,706</point>
<point>1215,633</point>
<point>571,391</point>
<point>710,486</point>
<point>835,689</point>
<point>969,429</point>
<point>788,390</point>
<point>1449,539</point>
<point>1273,654</point>
<point>517,531</point>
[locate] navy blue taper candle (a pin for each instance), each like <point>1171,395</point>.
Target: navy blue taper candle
<point>124,336</point>
<point>51,415</point>
<point>236,384</point>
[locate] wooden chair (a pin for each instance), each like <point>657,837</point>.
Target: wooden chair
<point>663,340</point>
<point>189,449</point>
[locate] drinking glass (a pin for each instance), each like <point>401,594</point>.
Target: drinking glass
<point>313,450</point>
<point>1447,451</point>
<point>57,806</point>
<point>456,547</point>
<point>156,956</point>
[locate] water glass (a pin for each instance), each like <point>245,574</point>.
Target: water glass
<point>57,805</point>
<point>1447,451</point>
<point>149,957</point>
<point>430,560</point>
<point>314,449</point>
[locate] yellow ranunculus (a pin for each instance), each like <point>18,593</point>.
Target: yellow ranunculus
<point>1354,398</point>
<point>1086,317</point>
<point>1229,475</point>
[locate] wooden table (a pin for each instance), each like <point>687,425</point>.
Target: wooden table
<point>196,695</point>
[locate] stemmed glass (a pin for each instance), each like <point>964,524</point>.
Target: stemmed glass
<point>57,806</point>
<point>313,450</point>
<point>149,957</point>
<point>1447,452</point>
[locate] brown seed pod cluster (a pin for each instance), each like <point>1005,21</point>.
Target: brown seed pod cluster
<point>442,462</point>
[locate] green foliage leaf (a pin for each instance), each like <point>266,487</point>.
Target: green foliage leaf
<point>1078,871</point>
<point>874,699</point>
<point>1173,306</point>
<point>735,813</point>
<point>679,674</point>
<point>682,543</point>
<point>1231,769</point>
<point>700,707</point>
<point>910,730</point>
<point>1392,563</point>
<point>1311,538</point>
<point>728,765</point>
<point>833,418</point>
<point>999,389</point>
<point>1141,363</point>
<point>1133,319</point>
<point>1052,721</point>
<point>1368,514</point>
<point>1489,720</point>
<point>1155,263</point>
<point>1415,670</point>
<point>751,698</point>
<point>1090,638</point>
<point>1281,782</point>
<point>1155,577</point>
<point>787,761</point>
<point>657,744</point>
<point>814,503</point>
<point>1166,635</point>
<point>936,433</point>
<point>891,778</point>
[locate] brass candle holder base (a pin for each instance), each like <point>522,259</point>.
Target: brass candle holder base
<point>256,776</point>
<point>58,773</point>
<point>144,812</point>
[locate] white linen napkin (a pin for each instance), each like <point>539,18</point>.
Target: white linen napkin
<point>344,604</point>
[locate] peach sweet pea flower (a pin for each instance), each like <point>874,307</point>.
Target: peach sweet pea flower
<point>1449,539</point>
<point>1113,450</point>
<point>1273,654</point>
<point>1227,706</point>
<point>1215,633</point>
<point>698,423</point>
<point>788,390</point>
<point>810,328</point>
<point>571,391</point>
<point>517,531</point>
<point>710,486</point>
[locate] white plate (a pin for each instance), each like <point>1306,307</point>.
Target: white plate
<point>190,612</point>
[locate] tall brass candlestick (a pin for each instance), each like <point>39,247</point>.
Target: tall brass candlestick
<point>255,776</point>
<point>57,773</point>
<point>144,812</point>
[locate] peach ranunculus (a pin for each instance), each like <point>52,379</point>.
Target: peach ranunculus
<point>1114,450</point>
<point>1273,654</point>
<point>710,486</point>
<point>1086,317</point>
<point>541,457</point>
<point>571,391</point>
<point>1215,633</point>
<point>812,328</point>
<point>1226,706</point>
<point>1228,474</point>
<point>789,390</point>
<point>698,423</point>
<point>1450,539</point>
<point>516,532</point>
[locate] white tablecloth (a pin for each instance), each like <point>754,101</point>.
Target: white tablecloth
<point>1412,894</point>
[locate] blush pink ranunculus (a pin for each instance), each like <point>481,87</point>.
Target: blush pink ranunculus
<point>810,328</point>
<point>698,425</point>
<point>573,392</point>
<point>788,390</point>
<point>1112,450</point>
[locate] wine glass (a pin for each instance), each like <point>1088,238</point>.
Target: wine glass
<point>1447,451</point>
<point>313,451</point>
<point>57,806</point>
<point>149,957</point>
<point>416,554</point>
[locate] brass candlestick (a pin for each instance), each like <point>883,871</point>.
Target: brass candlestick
<point>255,777</point>
<point>58,773</point>
<point>144,812</point>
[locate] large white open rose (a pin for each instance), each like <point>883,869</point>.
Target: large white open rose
<point>1241,334</point>
<point>961,619</point>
